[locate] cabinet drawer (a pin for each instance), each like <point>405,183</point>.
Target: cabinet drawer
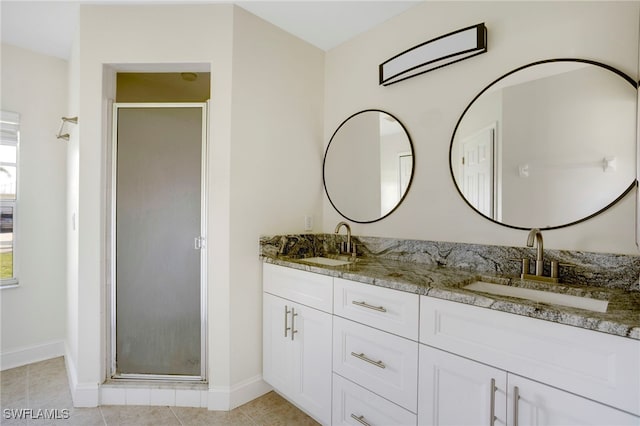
<point>381,362</point>
<point>354,405</point>
<point>303,287</point>
<point>386,309</point>
<point>595,365</point>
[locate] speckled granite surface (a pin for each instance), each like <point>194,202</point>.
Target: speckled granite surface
<point>441,270</point>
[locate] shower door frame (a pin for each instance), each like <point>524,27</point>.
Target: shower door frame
<point>112,372</point>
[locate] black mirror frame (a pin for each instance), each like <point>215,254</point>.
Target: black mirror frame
<point>633,184</point>
<point>413,166</point>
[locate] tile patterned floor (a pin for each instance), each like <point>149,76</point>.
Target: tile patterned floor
<point>44,385</point>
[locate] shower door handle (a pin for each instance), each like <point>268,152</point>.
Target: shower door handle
<point>199,243</point>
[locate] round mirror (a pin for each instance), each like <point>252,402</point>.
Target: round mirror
<point>547,145</point>
<point>368,166</point>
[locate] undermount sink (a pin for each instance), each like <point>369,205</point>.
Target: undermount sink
<point>569,300</point>
<point>326,261</point>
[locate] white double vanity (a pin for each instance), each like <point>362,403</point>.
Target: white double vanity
<point>359,353</point>
<point>412,332</point>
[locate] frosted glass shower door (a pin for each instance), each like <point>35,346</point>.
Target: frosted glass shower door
<point>158,246</point>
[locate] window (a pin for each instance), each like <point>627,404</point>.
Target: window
<point>9,144</point>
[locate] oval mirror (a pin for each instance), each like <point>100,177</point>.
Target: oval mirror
<point>368,166</point>
<point>547,145</point>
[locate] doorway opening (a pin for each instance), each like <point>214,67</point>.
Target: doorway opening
<point>158,227</point>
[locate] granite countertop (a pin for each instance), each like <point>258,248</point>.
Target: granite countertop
<point>621,319</point>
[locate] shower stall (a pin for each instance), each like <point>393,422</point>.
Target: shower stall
<point>157,250</point>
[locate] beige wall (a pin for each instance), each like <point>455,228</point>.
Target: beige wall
<point>430,105</point>
<point>33,314</point>
<point>276,161</point>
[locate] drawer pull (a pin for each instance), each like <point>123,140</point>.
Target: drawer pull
<point>293,319</point>
<point>360,419</point>
<point>516,398</point>
<point>368,306</point>
<point>369,360</point>
<point>286,327</point>
<point>492,408</point>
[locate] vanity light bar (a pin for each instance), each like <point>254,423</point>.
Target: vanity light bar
<point>433,54</point>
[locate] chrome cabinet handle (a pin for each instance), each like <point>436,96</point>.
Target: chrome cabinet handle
<point>360,419</point>
<point>516,397</point>
<point>368,306</point>
<point>293,318</point>
<point>286,327</point>
<point>363,357</point>
<point>492,408</point>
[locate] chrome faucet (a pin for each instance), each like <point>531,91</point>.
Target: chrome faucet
<point>346,249</point>
<point>537,234</point>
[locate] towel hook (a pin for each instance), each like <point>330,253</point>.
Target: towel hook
<point>65,136</point>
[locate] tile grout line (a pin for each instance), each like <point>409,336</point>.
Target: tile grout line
<point>28,395</point>
<point>176,416</point>
<point>250,417</point>
<point>255,422</point>
<point>104,420</point>
<point>29,421</point>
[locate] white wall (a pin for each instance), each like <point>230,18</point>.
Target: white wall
<point>264,168</point>
<point>144,35</point>
<point>566,180</point>
<point>430,105</point>
<point>276,161</point>
<point>355,155</point>
<point>33,314</point>
<point>73,202</point>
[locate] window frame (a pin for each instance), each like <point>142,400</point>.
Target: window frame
<point>10,136</point>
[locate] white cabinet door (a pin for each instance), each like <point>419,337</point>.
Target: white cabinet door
<point>312,361</point>
<point>457,391</point>
<point>532,403</point>
<point>277,347</point>
<point>297,354</point>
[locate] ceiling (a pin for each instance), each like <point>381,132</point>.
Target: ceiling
<point>48,27</point>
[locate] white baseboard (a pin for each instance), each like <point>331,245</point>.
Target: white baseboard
<point>31,354</point>
<point>82,394</point>
<point>228,398</point>
<point>88,394</point>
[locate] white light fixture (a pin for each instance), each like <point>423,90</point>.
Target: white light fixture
<point>433,54</point>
